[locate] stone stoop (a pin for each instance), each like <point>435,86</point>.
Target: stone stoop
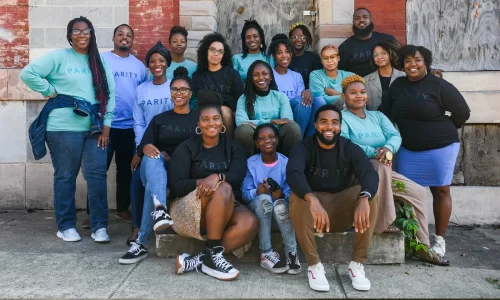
<point>386,248</point>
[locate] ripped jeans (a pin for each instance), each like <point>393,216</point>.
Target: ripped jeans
<point>154,179</point>
<point>264,208</point>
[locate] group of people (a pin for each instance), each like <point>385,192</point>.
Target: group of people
<point>234,146</point>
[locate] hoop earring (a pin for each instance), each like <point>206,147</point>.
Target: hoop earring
<point>196,130</point>
<point>223,127</point>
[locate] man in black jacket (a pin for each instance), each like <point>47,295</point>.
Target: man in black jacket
<point>320,174</point>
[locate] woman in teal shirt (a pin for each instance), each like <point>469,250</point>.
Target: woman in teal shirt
<point>253,43</point>
<point>263,103</point>
<point>178,45</point>
<point>379,139</point>
<point>80,74</point>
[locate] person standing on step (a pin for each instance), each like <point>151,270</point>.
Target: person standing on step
<point>75,122</point>
<point>303,61</point>
<point>178,45</point>
<point>266,193</point>
<point>164,133</point>
<point>203,173</point>
<point>253,43</point>
<point>215,73</point>
<point>319,172</point>
<point>151,98</point>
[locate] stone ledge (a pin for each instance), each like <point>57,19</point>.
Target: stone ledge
<point>334,31</point>
<point>197,8</point>
<point>386,248</point>
<point>474,81</point>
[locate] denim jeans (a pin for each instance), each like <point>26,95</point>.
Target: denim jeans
<point>318,101</point>
<point>70,150</point>
<point>264,208</point>
<point>137,197</point>
<point>154,178</point>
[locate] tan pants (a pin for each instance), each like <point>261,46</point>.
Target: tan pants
<point>415,196</point>
<point>340,208</point>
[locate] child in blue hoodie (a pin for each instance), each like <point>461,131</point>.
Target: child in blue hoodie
<point>266,193</point>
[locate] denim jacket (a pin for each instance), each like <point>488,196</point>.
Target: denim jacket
<point>80,107</point>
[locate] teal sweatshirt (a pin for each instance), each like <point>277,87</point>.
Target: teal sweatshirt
<point>241,65</point>
<point>67,72</point>
<point>189,65</point>
<point>370,133</point>
<point>318,81</point>
<point>273,106</point>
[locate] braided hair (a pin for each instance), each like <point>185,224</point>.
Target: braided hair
<point>279,39</point>
<point>160,49</point>
<point>304,30</point>
<point>249,24</point>
<point>250,90</point>
<point>99,80</point>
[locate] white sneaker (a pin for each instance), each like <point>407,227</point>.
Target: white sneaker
<point>101,236</point>
<point>358,277</point>
<point>69,235</point>
<point>439,245</point>
<point>317,278</point>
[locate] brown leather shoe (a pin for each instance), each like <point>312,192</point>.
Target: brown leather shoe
<point>86,222</point>
<point>124,216</point>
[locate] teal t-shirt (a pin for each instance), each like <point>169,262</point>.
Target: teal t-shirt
<point>273,106</point>
<point>67,72</point>
<point>318,81</point>
<point>370,133</point>
<point>241,64</point>
<point>189,65</point>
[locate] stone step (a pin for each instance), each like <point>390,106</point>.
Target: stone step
<point>386,248</point>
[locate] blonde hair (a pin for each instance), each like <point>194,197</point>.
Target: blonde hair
<point>350,80</point>
<point>329,46</point>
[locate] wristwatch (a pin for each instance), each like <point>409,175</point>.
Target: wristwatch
<point>389,156</point>
<point>365,194</point>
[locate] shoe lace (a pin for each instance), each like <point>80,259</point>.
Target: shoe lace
<point>273,257</point>
<point>135,248</point>
<point>359,269</point>
<point>319,268</point>
<point>221,262</point>
<point>157,214</point>
<point>70,231</point>
<point>193,262</point>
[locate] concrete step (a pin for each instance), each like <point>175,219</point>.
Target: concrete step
<point>386,248</point>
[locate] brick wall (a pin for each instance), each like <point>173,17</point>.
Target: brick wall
<point>388,16</point>
<point>151,21</point>
<point>14,33</point>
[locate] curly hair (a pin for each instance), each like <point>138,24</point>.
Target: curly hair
<point>177,30</point>
<point>279,39</point>
<point>411,51</point>
<point>160,49</point>
<point>249,24</point>
<point>250,90</point>
<point>391,47</point>
<point>202,51</point>
<point>99,80</point>
<point>305,31</point>
<point>350,80</point>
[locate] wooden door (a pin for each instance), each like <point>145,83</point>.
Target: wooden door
<point>275,16</point>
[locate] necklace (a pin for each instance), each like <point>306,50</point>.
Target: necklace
<point>208,147</point>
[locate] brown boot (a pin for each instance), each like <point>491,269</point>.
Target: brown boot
<point>124,216</point>
<point>86,222</point>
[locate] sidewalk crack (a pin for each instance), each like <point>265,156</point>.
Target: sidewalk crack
<point>123,281</point>
<point>339,281</point>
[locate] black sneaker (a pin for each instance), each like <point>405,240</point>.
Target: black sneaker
<point>215,265</point>
<point>161,218</point>
<point>135,254</point>
<point>292,259</point>
<point>273,263</point>
<point>186,262</point>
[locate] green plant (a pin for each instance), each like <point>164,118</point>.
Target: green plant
<point>407,222</point>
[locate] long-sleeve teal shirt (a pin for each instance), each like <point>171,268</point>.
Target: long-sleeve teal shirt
<point>318,81</point>
<point>241,64</point>
<point>273,106</point>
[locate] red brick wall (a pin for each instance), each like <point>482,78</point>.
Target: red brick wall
<point>151,21</point>
<point>14,33</point>
<point>388,16</point>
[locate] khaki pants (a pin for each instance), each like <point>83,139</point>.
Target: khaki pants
<point>340,208</point>
<point>414,195</point>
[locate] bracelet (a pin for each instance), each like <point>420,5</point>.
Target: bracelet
<point>221,177</point>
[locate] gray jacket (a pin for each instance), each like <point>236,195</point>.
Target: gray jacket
<point>374,88</point>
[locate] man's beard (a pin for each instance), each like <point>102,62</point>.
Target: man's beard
<point>358,32</point>
<point>326,141</point>
<point>124,48</point>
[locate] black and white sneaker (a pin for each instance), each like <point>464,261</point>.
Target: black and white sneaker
<point>215,265</point>
<point>186,262</point>
<point>135,254</point>
<point>273,263</point>
<point>161,218</point>
<point>292,259</point>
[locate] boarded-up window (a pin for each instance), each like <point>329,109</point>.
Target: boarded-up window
<point>463,35</point>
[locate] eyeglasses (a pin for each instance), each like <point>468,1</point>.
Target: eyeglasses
<point>331,57</point>
<point>214,51</point>
<point>77,32</point>
<point>182,90</point>
<point>298,37</point>
<point>263,139</point>
<point>375,55</point>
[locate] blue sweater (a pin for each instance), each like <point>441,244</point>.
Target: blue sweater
<point>129,73</point>
<point>150,100</point>
<point>290,83</point>
<point>257,172</point>
<point>318,81</point>
<point>370,133</point>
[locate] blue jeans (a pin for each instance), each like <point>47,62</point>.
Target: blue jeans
<point>70,150</point>
<point>264,208</point>
<point>154,178</point>
<point>304,116</point>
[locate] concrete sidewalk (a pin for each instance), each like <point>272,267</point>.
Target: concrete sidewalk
<point>34,263</point>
